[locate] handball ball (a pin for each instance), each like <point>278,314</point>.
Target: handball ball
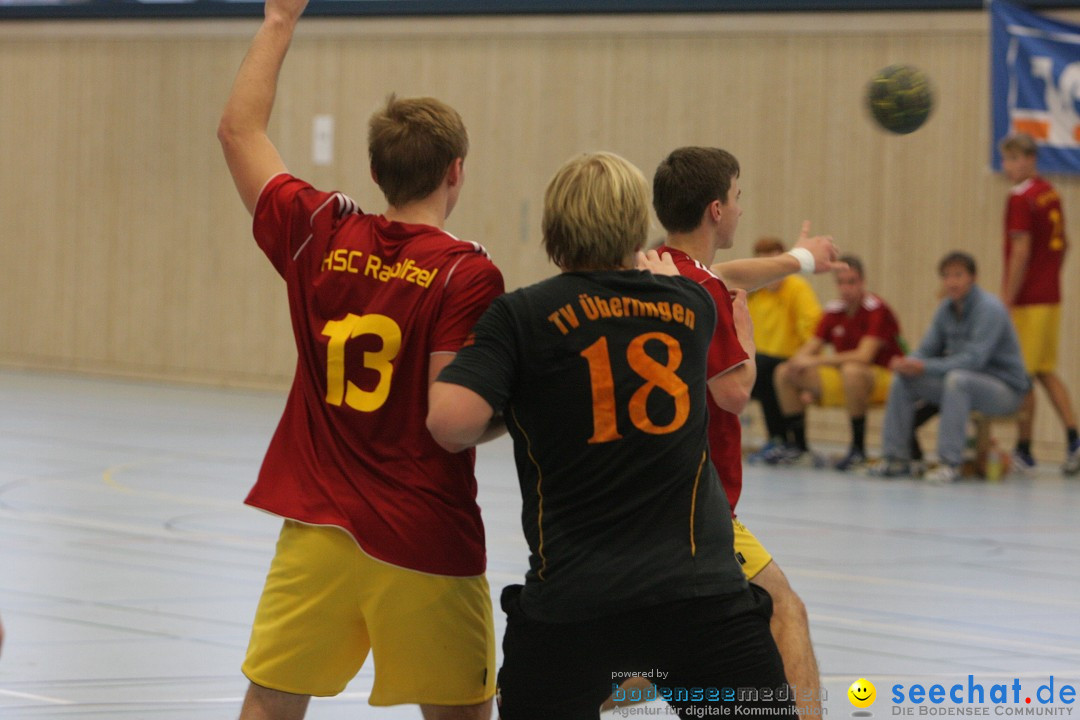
<point>900,98</point>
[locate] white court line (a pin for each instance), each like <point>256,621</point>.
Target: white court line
<point>31,696</point>
<point>979,676</point>
<point>1023,598</point>
<point>150,530</point>
<point>937,635</point>
<point>185,701</point>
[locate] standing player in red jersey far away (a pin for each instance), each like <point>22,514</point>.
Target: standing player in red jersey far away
<point>1035,248</point>
<point>382,547</point>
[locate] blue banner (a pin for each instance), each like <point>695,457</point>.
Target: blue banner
<point>1035,76</point>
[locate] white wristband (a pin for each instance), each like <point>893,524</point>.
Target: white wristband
<point>805,258</point>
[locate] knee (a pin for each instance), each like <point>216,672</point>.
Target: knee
<point>788,607</point>
<point>957,381</point>
<point>854,372</point>
<point>789,612</point>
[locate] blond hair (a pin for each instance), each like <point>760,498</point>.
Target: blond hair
<point>1019,143</point>
<point>596,212</point>
<point>411,144</point>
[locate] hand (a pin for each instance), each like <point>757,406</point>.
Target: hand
<point>798,363</point>
<point>652,262</point>
<point>822,248</point>
<point>287,9</point>
<point>907,365</point>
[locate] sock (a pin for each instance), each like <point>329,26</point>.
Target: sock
<point>858,434</point>
<point>1071,436</point>
<point>916,448</point>
<point>796,430</point>
<point>1023,447</point>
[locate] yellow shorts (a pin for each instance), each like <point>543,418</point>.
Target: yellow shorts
<point>1038,327</point>
<point>327,603</point>
<point>751,554</point>
<point>832,386</point>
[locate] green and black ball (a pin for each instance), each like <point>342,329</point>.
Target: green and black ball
<point>900,98</point>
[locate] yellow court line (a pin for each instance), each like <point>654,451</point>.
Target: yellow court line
<point>109,478</point>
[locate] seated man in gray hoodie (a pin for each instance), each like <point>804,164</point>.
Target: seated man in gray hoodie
<point>969,360</point>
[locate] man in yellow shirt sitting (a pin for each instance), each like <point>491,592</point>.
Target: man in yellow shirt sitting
<point>785,314</point>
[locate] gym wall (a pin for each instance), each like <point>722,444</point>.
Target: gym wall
<point>127,252</point>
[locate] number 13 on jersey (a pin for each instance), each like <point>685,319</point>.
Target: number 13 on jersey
<point>340,332</point>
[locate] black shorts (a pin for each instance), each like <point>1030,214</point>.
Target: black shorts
<point>712,651</point>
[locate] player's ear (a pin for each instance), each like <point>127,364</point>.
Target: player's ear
<point>374,175</point>
<point>456,172</point>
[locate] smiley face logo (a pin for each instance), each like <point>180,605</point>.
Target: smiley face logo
<point>862,693</point>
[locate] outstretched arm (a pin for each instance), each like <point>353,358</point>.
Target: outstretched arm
<point>251,157</point>
<point>752,273</point>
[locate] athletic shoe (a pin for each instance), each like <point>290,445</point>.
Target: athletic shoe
<point>942,475</point>
<point>794,457</point>
<point>1023,463</point>
<point>779,453</point>
<point>851,461</point>
<point>761,457</point>
<point>1072,463</point>
<point>890,468</point>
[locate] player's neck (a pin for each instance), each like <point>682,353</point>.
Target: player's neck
<point>698,244</point>
<point>430,210</point>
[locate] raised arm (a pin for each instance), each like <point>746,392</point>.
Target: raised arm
<point>818,253</point>
<point>251,157</point>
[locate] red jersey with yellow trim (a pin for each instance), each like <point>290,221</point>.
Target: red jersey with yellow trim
<point>370,301</point>
<point>725,354</point>
<point>1035,208</point>
<point>873,318</point>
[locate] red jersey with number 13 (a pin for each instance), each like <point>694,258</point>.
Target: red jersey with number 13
<point>370,301</point>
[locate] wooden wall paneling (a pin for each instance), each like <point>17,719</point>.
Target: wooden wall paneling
<point>129,252</point>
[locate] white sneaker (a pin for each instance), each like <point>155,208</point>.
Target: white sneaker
<point>1023,463</point>
<point>942,475</point>
<point>890,468</point>
<point>1072,463</point>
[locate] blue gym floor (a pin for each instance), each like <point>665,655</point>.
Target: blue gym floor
<point>130,569</point>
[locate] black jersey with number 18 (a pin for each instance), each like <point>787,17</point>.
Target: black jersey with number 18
<point>601,378</point>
